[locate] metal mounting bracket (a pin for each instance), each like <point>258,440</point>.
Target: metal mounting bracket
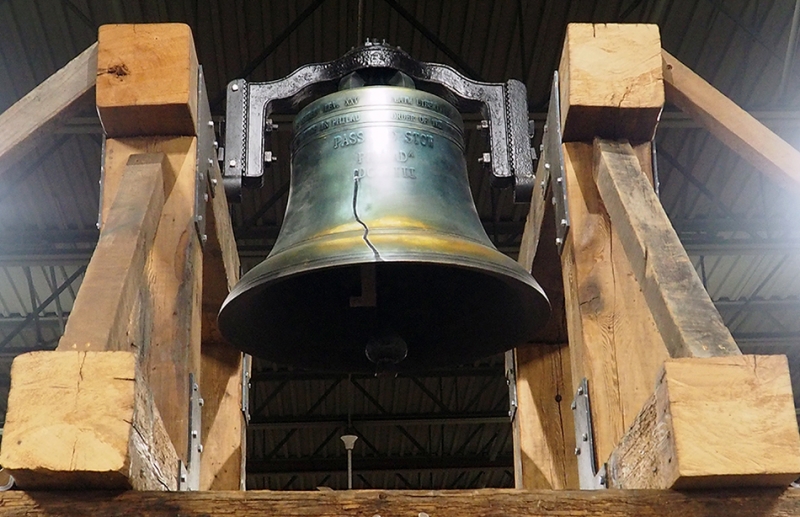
<point>590,477</point>
<point>189,476</point>
<point>504,105</point>
<point>511,380</point>
<point>246,361</point>
<point>553,159</point>
<point>206,153</point>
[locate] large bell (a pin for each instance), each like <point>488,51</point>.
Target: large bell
<point>382,262</point>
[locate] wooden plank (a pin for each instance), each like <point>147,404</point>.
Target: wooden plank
<point>713,422</point>
<point>85,420</point>
<point>444,503</point>
<point>34,117</point>
<point>221,378</point>
<point>147,79</point>
<point>736,128</point>
<point>683,312</point>
<point>610,81</point>
<point>112,286</point>
<point>174,279</point>
<point>613,340</point>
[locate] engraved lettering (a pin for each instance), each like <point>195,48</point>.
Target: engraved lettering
<point>352,101</point>
<point>348,139</point>
<point>330,106</point>
<point>417,138</point>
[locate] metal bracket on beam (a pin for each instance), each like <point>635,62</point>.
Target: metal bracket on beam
<point>553,164</point>
<point>590,477</point>
<point>511,380</point>
<point>206,153</point>
<point>189,476</point>
<point>246,361</point>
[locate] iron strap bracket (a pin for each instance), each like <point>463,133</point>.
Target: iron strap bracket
<point>189,475</point>
<point>250,106</point>
<point>206,153</point>
<point>246,362</point>
<point>511,380</point>
<point>590,477</point>
<point>552,164</point>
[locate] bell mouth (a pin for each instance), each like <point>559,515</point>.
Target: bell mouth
<point>448,299</point>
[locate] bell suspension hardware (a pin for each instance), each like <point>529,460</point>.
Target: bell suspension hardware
<point>381,264</point>
<point>250,106</point>
<point>589,476</point>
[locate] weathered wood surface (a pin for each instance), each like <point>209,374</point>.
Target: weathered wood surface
<point>173,278</point>
<point>34,117</point>
<point>112,286</point>
<point>78,419</point>
<point>610,80</point>
<point>713,422</point>
<point>683,312</point>
<point>221,375</point>
<point>613,340</point>
<point>736,128</point>
<point>147,80</point>
<point>401,503</point>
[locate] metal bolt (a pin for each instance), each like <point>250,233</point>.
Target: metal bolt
<point>214,182</point>
<point>508,382</point>
<point>232,163</point>
<point>547,166</point>
<point>98,225</point>
<point>194,434</point>
<point>199,447</point>
<point>573,406</point>
<point>553,200</point>
<point>563,222</point>
<point>603,481</point>
<point>559,179</point>
<point>204,238</point>
<point>235,87</point>
<point>580,390</point>
<point>559,240</point>
<point>541,148</point>
<point>509,413</point>
<point>585,437</point>
<point>195,387</point>
<point>202,176</point>
<point>210,123</point>
<point>199,218</point>
<point>201,402</point>
<point>542,184</point>
<point>183,478</point>
<point>205,197</point>
<point>577,451</point>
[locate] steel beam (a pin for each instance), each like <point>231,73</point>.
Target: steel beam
<point>366,464</point>
<point>421,419</point>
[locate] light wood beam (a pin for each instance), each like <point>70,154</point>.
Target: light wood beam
<point>33,118</point>
<point>85,419</point>
<point>736,128</point>
<point>445,503</point>
<point>713,422</point>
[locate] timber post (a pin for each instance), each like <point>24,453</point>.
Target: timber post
<point>143,315</point>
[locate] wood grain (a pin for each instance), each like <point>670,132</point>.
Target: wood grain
<point>610,81</point>
<point>33,118</point>
<point>474,503</point>
<point>736,128</point>
<point>85,420</point>
<point>713,422</point>
<point>147,79</point>
<point>111,288</point>
<point>685,316</point>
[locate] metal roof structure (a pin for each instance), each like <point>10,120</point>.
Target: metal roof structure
<point>447,429</point>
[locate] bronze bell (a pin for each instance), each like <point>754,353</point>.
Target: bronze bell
<point>382,262</point>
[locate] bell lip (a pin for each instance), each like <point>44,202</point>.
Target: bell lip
<point>540,312</point>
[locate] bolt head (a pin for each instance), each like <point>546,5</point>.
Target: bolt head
<point>577,451</point>
<point>580,390</point>
<point>573,406</point>
<point>210,123</point>
<point>232,163</point>
<point>547,166</point>
<point>559,240</point>
<point>200,402</point>
<point>214,182</point>
<point>585,437</point>
<point>235,87</point>
<point>199,447</point>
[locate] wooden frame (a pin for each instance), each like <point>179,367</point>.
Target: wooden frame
<point>630,302</point>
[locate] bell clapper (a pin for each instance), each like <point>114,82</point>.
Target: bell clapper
<point>386,349</point>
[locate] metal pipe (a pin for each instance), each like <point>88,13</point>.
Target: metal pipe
<point>349,441</point>
<point>790,48</point>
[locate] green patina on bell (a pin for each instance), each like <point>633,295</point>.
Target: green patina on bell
<point>382,261</point>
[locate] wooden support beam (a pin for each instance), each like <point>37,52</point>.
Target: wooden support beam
<point>147,80</point>
<point>172,278</point>
<point>713,422</point>
<point>221,378</point>
<point>736,128</point>
<point>33,118</point>
<point>613,340</point>
<point>684,313</point>
<point>611,82</point>
<point>85,419</point>
<point>445,503</point>
<point>112,287</point>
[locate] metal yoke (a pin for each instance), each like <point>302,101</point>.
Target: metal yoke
<point>503,105</point>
